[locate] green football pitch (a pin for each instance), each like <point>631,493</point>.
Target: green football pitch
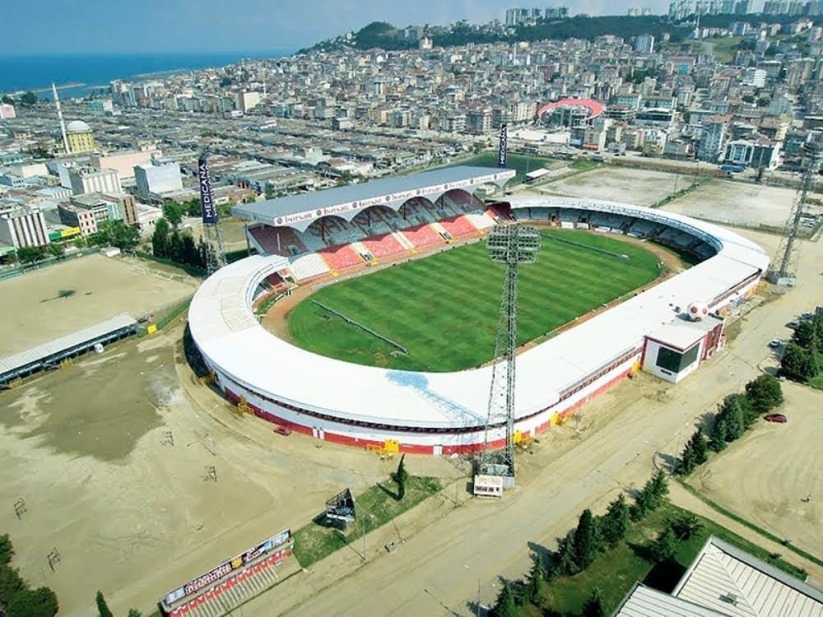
<point>443,309</point>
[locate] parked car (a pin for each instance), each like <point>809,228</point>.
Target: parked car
<point>793,324</point>
<point>775,343</point>
<point>776,417</point>
<point>283,430</point>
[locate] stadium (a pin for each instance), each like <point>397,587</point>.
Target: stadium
<point>666,329</point>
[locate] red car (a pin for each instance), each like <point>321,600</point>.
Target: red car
<point>283,430</point>
<point>776,417</point>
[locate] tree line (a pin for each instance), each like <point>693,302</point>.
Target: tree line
<point>168,242</point>
<point>17,599</point>
<point>592,536</point>
<point>735,415</point>
<point>799,361</point>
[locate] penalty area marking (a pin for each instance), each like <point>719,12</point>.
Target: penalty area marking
<point>366,329</point>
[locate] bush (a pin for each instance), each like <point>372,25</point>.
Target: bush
<point>798,364</point>
<point>41,602</point>
<point>764,393</point>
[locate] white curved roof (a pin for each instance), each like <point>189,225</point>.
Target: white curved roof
<point>77,126</point>
<point>229,335</point>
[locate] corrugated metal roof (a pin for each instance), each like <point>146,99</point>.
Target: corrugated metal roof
<point>647,602</point>
<point>270,210</point>
<point>228,334</point>
<point>727,579</point>
<point>36,354</point>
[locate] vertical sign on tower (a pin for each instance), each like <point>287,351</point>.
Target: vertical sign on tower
<point>207,206</point>
<point>501,152</point>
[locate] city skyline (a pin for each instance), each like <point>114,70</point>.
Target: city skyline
<point>46,27</point>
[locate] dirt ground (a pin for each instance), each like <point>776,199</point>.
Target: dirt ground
<point>740,203</point>
<point>632,186</point>
<point>771,492</point>
<point>87,448</point>
<point>100,288</point>
<point>231,228</point>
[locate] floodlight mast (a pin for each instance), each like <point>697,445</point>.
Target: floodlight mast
<point>511,245</point>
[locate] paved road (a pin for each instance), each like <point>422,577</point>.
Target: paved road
<point>449,564</point>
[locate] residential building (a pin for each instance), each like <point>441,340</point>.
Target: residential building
<point>90,180</point>
<point>125,162</point>
<point>644,44</point>
<point>22,226</point>
<point>154,180</point>
<point>711,139</point>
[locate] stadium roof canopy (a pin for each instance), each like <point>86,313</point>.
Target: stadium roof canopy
<point>299,211</point>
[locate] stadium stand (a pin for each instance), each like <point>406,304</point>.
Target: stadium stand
<point>383,246</point>
<point>417,211</point>
<point>308,266</point>
<point>233,592</point>
<point>423,235</point>
<point>481,220</point>
<point>341,257</point>
<point>499,212</point>
<point>276,241</point>
<point>458,226</point>
<point>312,240</point>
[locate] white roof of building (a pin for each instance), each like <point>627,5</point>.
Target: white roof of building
<point>647,602</point>
<point>77,126</point>
<point>737,584</point>
<point>227,333</point>
<point>55,346</point>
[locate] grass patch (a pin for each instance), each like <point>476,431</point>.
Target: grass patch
<point>443,309</point>
<point>616,570</point>
<point>376,507</point>
<point>817,382</point>
<point>725,48</point>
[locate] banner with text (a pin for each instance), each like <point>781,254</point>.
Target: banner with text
<point>207,206</point>
<point>501,152</point>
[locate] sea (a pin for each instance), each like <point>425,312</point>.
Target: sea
<point>80,75</point>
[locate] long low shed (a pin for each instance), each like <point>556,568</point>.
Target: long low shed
<point>446,412</point>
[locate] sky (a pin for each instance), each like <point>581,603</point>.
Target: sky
<point>44,27</point>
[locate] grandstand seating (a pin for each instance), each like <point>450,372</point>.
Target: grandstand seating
<point>277,241</point>
<point>417,211</point>
<point>383,246</point>
<point>481,220</point>
<point>500,212</point>
<point>458,226</point>
<point>231,593</point>
<point>312,240</point>
<point>308,266</point>
<point>341,257</point>
<point>423,235</point>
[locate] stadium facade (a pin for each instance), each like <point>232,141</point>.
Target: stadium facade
<point>667,330</point>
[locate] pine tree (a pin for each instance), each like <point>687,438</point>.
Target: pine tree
<point>531,589</point>
<point>797,363</point>
<point>687,463</point>
<point>732,410</point>
<point>102,607</point>
<point>665,546</point>
<point>505,605</point>
<point>700,447</point>
<point>719,435</point>
<point>616,521</point>
<point>764,393</point>
<point>594,605</point>
<point>658,488</point>
<point>587,542</point>
<point>564,562</point>
<point>400,477</point>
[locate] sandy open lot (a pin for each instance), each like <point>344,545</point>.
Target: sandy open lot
<point>738,203</point>
<point>766,476</point>
<point>132,516</point>
<point>633,186</point>
<point>33,311</point>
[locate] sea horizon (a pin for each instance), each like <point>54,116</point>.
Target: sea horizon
<point>85,71</point>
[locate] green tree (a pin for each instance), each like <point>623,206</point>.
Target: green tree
<point>401,476</point>
<point>564,563</point>
<point>7,99</point>
<point>734,409</point>
<point>594,606</point>
<point>700,447</point>
<point>28,99</point>
<point>805,335</point>
<point>505,605</point>
<point>56,250</point>
<point>797,363</point>
<point>659,487</point>
<point>102,607</point>
<point>615,522</point>
<point>664,548</point>
<point>41,602</point>
<point>720,434</point>
<point>6,550</point>
<point>30,254</point>
<point>117,233</point>
<point>817,320</point>
<point>531,590</point>
<point>160,239</point>
<point>764,393</point>
<point>587,541</point>
<point>269,191</point>
<point>748,98</point>
<point>685,526</point>
<point>686,464</point>
<point>173,212</point>
<point>11,584</point>
<point>133,612</point>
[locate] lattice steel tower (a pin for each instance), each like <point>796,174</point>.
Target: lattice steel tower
<point>784,265</point>
<point>511,245</point>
